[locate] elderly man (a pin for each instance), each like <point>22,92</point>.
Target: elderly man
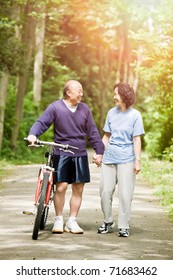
<point>72,122</point>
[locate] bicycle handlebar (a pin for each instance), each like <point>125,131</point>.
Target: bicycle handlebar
<point>39,143</point>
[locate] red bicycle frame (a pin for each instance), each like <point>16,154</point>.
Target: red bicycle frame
<point>39,184</point>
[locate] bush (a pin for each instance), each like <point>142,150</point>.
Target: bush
<point>159,175</point>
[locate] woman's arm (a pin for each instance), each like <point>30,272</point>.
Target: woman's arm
<point>105,138</point>
<point>137,151</point>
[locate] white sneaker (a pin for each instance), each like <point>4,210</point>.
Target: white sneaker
<point>73,227</point>
<point>58,225</point>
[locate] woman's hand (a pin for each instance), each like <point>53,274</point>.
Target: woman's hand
<point>137,166</point>
<point>97,159</point>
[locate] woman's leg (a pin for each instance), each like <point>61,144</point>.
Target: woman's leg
<point>126,183</point>
<point>107,188</point>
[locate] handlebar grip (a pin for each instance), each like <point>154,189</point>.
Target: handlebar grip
<point>36,142</point>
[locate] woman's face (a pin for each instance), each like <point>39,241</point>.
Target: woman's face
<point>117,98</point>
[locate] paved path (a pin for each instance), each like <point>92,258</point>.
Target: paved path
<point>151,230</point>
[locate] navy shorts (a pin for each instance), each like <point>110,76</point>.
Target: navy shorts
<point>71,169</point>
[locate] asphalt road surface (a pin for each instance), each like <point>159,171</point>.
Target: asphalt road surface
<point>151,230</point>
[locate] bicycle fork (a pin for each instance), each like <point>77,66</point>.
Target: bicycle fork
<point>42,171</point>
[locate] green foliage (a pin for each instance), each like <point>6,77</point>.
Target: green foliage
<point>156,78</point>
<point>159,175</point>
<point>11,49</point>
<point>54,77</point>
<point>168,152</point>
<point>85,45</point>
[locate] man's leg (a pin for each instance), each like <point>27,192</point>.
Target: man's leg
<point>75,203</point>
<point>59,197</point>
<point>76,198</point>
<point>59,201</point>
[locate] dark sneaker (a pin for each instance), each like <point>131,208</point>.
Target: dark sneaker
<point>123,232</point>
<point>106,227</point>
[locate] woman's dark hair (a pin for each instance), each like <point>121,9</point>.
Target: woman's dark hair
<point>126,92</point>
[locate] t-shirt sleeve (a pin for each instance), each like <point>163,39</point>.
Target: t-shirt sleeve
<point>106,127</point>
<point>138,128</point>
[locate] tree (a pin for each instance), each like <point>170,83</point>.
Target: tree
<point>39,54</point>
<point>104,42</point>
<point>10,61</point>
<point>27,39</point>
<point>3,96</point>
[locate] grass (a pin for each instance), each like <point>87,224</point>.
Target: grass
<point>159,175</point>
<point>5,168</point>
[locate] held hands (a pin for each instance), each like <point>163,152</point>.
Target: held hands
<point>97,159</point>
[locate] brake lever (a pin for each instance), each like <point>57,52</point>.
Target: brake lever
<point>35,145</point>
<point>67,151</point>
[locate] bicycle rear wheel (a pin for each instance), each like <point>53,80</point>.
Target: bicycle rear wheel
<point>40,207</point>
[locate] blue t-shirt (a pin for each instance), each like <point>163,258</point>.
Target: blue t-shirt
<point>123,126</point>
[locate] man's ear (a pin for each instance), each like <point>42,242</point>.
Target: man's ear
<point>68,93</point>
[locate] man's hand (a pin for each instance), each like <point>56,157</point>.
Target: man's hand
<point>97,159</point>
<point>32,139</point>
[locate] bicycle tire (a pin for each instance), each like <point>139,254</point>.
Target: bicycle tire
<point>44,217</point>
<point>40,207</point>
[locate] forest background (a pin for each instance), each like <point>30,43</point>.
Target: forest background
<point>45,43</point>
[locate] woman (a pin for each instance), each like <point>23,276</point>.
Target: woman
<point>121,159</point>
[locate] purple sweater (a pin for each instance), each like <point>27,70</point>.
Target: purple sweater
<point>69,128</point>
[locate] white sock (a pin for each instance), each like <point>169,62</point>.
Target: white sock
<point>71,219</point>
<point>59,218</point>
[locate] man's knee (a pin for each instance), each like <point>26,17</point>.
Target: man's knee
<point>61,187</point>
<point>77,188</point>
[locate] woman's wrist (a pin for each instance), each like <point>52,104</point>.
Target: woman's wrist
<point>137,159</point>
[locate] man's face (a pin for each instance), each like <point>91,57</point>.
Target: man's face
<point>75,93</point>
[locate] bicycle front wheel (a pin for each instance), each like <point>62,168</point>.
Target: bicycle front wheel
<point>40,207</point>
<point>44,217</point>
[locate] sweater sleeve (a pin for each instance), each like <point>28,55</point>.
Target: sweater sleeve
<point>93,135</point>
<point>43,122</point>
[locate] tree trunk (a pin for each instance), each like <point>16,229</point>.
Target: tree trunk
<point>119,63</point>
<point>38,63</point>
<point>138,64</point>
<point>3,95</point>
<point>28,41</point>
<point>123,58</point>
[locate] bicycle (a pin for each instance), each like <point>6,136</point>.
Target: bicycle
<point>45,187</point>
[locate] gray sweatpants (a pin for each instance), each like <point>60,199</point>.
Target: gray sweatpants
<point>123,175</point>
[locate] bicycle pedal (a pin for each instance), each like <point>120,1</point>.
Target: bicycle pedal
<point>28,213</point>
